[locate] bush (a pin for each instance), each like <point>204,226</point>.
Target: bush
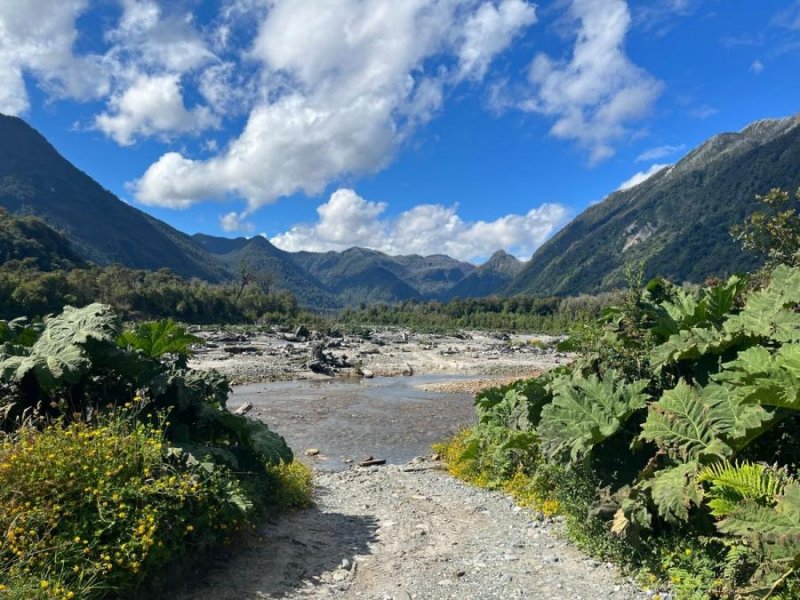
<point>655,444</point>
<point>89,510</point>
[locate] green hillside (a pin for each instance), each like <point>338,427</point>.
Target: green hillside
<point>488,278</point>
<point>36,180</point>
<point>29,241</point>
<point>677,222</point>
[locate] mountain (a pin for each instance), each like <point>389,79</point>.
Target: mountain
<point>36,180</point>
<point>489,278</point>
<point>677,221</point>
<point>30,239</point>
<point>362,275</point>
<point>259,256</point>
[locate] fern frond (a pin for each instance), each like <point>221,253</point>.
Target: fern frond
<point>734,483</point>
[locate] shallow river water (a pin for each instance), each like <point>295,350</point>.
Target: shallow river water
<point>351,419</point>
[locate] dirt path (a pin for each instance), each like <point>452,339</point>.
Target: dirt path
<point>401,532</point>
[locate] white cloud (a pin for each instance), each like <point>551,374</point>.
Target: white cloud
<point>37,39</point>
<point>599,91</point>
<point>152,106</point>
<point>348,220</point>
<point>660,152</point>
<point>641,176</point>
<point>789,18</point>
<point>756,67</point>
<point>232,221</point>
<point>147,38</point>
<point>489,31</point>
<point>703,112</point>
<point>339,102</point>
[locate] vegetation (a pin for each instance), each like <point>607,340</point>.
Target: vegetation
<point>677,222</point>
<point>519,313</point>
<point>116,458</point>
<point>25,290</point>
<point>671,444</point>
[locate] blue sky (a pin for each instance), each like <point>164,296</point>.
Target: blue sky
<point>421,126</point>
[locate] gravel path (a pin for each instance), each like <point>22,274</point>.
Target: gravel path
<point>408,532</point>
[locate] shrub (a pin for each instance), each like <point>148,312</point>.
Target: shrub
<point>87,510</point>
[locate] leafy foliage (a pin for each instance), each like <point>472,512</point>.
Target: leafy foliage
<point>680,399</point>
<point>76,368</point>
<point>158,338</point>
<point>587,411</point>
<point>731,484</point>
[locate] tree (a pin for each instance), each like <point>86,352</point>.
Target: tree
<point>773,232</point>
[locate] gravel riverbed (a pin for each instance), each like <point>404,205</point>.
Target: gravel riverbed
<point>401,532</point>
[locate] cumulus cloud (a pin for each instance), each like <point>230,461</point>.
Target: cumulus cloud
<point>598,92</point>
<point>341,101</point>
<point>232,222</point>
<point>641,177</point>
<point>152,106</point>
<point>756,67</point>
<point>347,220</point>
<point>489,31</point>
<point>149,38</point>
<point>37,39</point>
<point>660,152</point>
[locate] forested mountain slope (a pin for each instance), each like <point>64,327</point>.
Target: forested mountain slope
<point>677,222</point>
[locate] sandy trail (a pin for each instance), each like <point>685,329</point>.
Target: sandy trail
<point>400,532</point>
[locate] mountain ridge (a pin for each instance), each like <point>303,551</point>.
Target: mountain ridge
<point>677,222</point>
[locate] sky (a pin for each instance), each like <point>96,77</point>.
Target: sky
<point>454,127</point>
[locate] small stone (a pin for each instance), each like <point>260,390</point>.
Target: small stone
<point>339,576</point>
<point>346,564</point>
<point>402,595</point>
<point>312,452</point>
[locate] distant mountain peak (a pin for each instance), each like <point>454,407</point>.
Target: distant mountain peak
<point>504,262</point>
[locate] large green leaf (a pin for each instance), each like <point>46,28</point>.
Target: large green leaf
<point>675,490</point>
<point>775,530</point>
<point>586,411</point>
<point>691,344</point>
<point>267,445</point>
<point>765,377</point>
<point>690,422</point>
<point>66,348</point>
<point>158,338</point>
<point>769,313</point>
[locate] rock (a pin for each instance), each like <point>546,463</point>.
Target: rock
<point>340,576</point>
<point>244,409</point>
<point>408,371</point>
<point>301,332</point>
<point>372,462</point>
<point>402,595</point>
<point>367,374</point>
<point>346,564</point>
<point>312,452</point>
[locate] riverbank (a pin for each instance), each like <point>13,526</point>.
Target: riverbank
<point>273,356</point>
